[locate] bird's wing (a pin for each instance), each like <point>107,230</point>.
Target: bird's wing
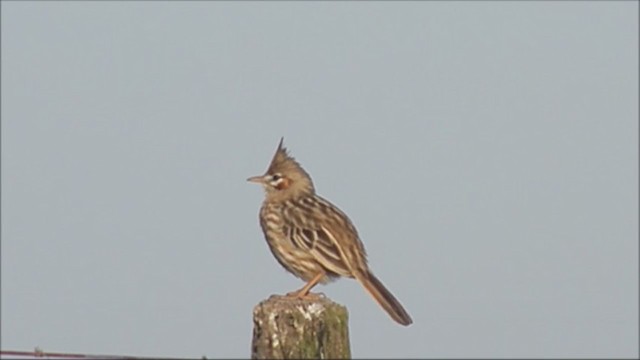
<point>328,234</point>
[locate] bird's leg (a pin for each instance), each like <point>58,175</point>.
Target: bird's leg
<point>304,291</point>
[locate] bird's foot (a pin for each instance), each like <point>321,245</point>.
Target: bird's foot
<point>302,295</point>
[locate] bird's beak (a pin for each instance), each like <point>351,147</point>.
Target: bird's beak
<point>256,179</point>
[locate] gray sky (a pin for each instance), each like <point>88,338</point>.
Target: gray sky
<point>487,153</point>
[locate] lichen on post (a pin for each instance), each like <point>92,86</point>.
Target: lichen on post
<point>290,328</point>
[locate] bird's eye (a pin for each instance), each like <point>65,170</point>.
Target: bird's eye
<point>276,177</point>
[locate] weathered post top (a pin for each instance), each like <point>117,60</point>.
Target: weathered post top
<point>286,327</point>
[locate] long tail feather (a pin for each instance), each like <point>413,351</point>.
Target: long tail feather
<point>384,298</point>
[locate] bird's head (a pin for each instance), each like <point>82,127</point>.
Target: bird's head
<point>284,178</point>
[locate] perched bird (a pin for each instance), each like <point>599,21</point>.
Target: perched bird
<point>312,238</point>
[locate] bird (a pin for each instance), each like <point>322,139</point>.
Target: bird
<point>312,238</point>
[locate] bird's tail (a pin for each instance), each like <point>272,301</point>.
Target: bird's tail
<point>384,298</point>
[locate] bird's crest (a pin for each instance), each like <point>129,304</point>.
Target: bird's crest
<point>283,162</point>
